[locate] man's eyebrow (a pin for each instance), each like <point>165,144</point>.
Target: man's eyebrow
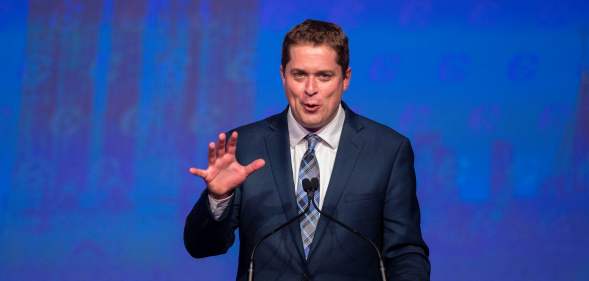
<point>325,72</point>
<point>319,73</point>
<point>296,70</point>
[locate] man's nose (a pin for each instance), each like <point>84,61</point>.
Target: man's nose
<point>311,86</point>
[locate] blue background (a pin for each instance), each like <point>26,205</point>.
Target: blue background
<point>105,104</point>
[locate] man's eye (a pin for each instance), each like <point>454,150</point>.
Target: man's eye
<point>325,77</point>
<point>298,75</point>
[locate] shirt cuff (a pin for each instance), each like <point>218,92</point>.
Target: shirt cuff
<point>218,206</point>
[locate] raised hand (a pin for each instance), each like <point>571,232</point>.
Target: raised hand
<point>224,173</point>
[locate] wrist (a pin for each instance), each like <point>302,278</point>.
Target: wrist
<point>220,196</point>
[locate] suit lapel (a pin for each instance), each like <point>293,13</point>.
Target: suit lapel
<point>277,146</point>
<point>349,148</point>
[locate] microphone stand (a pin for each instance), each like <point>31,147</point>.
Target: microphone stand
<point>313,185</point>
<point>310,194</point>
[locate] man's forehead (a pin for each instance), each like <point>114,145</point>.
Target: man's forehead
<point>313,56</point>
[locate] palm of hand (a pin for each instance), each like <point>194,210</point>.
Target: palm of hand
<point>225,175</point>
<point>224,172</point>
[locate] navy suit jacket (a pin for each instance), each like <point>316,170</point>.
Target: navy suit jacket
<point>372,189</point>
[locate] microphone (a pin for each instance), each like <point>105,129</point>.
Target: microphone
<point>307,187</point>
<point>312,186</point>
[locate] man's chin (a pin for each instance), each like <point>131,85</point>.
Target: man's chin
<point>311,126</point>
<point>311,122</point>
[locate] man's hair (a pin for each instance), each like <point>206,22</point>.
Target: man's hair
<point>317,33</point>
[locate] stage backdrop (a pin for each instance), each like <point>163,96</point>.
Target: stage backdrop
<point>105,104</point>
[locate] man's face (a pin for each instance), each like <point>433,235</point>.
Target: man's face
<point>314,84</point>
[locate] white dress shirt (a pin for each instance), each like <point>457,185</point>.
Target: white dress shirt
<point>325,152</point>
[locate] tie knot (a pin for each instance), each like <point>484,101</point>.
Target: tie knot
<point>312,141</point>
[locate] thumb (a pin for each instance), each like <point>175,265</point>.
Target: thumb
<point>254,166</point>
<point>198,172</point>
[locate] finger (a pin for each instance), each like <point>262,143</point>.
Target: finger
<point>198,172</point>
<point>212,154</point>
<point>221,145</point>
<point>254,166</point>
<point>232,144</point>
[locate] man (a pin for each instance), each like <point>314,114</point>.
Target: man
<point>365,171</point>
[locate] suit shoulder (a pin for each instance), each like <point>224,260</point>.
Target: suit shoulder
<point>383,131</point>
<point>256,128</point>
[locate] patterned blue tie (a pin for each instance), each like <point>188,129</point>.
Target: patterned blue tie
<point>309,169</point>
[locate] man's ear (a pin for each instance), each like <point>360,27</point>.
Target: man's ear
<point>282,77</point>
<point>347,77</point>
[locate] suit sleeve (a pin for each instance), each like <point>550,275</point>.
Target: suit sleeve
<point>206,236</point>
<point>405,252</point>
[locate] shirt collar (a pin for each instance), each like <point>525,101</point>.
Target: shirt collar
<point>329,134</point>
